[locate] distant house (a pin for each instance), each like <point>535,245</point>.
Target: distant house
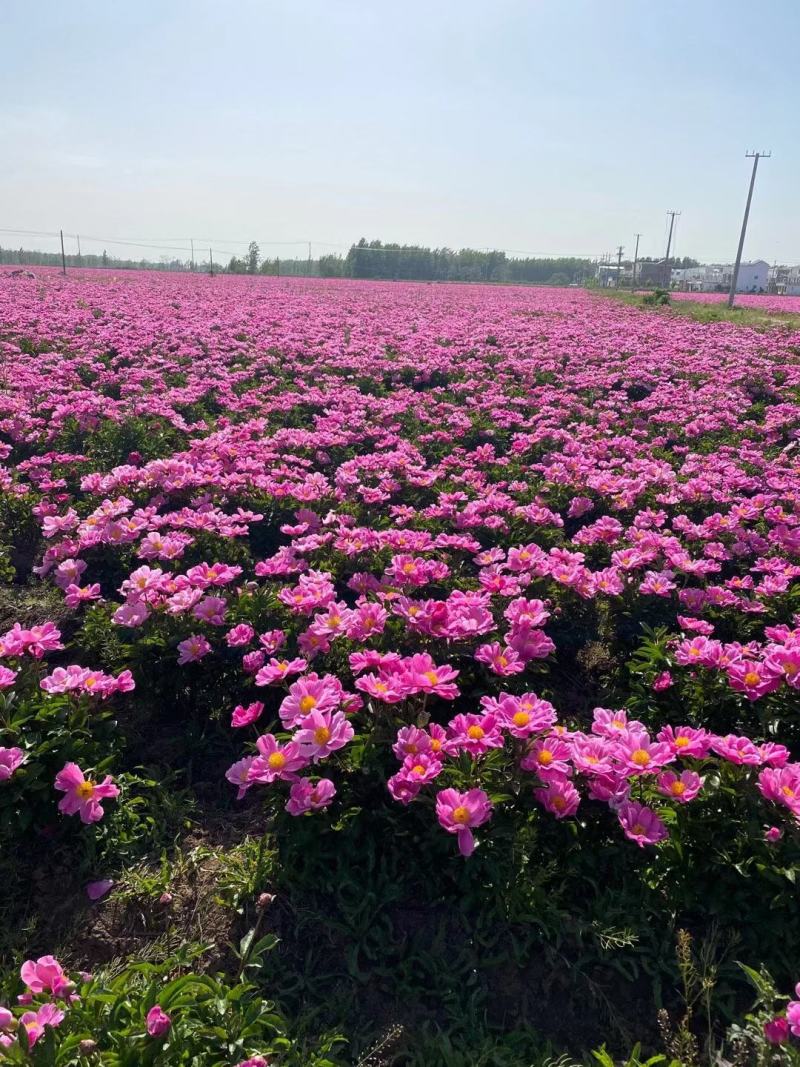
<point>753,277</point>
<point>716,277</point>
<point>785,280</point>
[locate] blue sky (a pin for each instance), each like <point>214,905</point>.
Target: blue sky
<point>540,125</point>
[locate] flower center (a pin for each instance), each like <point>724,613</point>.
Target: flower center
<point>475,733</point>
<point>85,790</point>
<point>276,760</point>
<point>751,678</point>
<point>638,830</point>
<point>681,742</point>
<point>460,815</point>
<point>641,757</point>
<point>678,788</point>
<point>432,677</point>
<point>521,718</point>
<point>545,757</point>
<point>419,769</point>
<point>307,703</point>
<point>322,735</point>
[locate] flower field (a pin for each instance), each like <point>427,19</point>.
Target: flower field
<point>395,674</point>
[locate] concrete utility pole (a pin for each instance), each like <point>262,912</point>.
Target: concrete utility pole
<point>635,261</point>
<point>755,156</point>
<point>211,262</point>
<point>620,250</point>
<point>672,215</point>
<point>191,240</point>
<point>63,257</point>
<point>309,259</point>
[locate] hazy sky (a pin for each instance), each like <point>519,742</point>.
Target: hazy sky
<point>548,126</point>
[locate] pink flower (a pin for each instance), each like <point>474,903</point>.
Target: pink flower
<point>303,796</point>
<point>459,812</point>
<point>82,795</point>
<point>662,681</point>
<point>193,649</point>
<point>793,1013</point>
<point>157,1021</point>
<point>525,715</point>
<point>243,715</point>
<point>641,824</point>
<point>239,774</point>
<point>96,890</point>
<point>254,1061</point>
<point>211,609</point>
<point>307,694</point>
<point>773,835</point>
<point>782,786</point>
<point>34,1022</point>
<point>640,755</point>
<point>7,677</point>
<point>475,734</point>
<point>278,670</point>
<point>740,750</point>
<point>686,741</point>
<point>776,1031</point>
<point>276,760</point>
<point>323,732</point>
<point>411,741</point>
<point>547,756</point>
<point>10,759</point>
<point>499,659</point>
<point>558,796</point>
<point>682,788</point>
<point>45,975</point>
<point>240,635</point>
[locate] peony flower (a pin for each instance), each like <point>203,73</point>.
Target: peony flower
<point>157,1021</point>
<point>641,824</point>
<point>10,760</point>
<point>303,796</point>
<point>458,813</point>
<point>83,795</point>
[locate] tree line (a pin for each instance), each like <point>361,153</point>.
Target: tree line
<point>366,259</point>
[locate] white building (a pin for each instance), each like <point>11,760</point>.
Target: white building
<point>716,277</point>
<point>753,277</point>
<point>785,280</point>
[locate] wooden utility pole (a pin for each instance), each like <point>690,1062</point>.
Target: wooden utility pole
<point>635,261</point>
<point>63,257</point>
<point>211,262</point>
<point>668,276</point>
<point>755,156</point>
<point>620,250</point>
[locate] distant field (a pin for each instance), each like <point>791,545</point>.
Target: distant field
<point>761,301</point>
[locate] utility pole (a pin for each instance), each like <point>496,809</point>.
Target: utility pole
<point>672,215</point>
<point>309,259</point>
<point>191,240</point>
<point>63,257</point>
<point>78,238</point>
<point>635,261</point>
<point>755,156</point>
<point>620,250</point>
<point>211,261</point>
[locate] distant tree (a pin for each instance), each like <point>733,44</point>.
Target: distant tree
<point>253,258</point>
<point>237,266</point>
<point>331,266</point>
